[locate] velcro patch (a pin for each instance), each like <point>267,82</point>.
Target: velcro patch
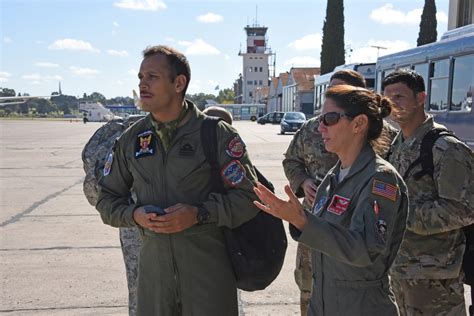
<point>381,227</point>
<point>233,173</point>
<point>235,148</point>
<point>338,205</point>
<point>145,145</point>
<point>319,206</point>
<point>108,164</point>
<point>384,189</point>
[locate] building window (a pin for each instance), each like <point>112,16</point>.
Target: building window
<point>250,82</point>
<point>255,82</point>
<point>250,94</point>
<point>261,69</point>
<point>260,82</point>
<point>250,69</point>
<point>255,69</point>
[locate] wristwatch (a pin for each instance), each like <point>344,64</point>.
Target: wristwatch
<point>202,215</point>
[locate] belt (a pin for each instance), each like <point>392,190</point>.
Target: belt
<point>361,284</point>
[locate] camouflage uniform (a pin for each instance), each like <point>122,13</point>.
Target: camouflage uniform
<point>131,242</point>
<point>426,273</point>
<point>306,157</point>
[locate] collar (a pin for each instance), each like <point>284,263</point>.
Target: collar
<point>365,156</point>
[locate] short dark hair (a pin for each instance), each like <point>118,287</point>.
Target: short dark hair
<point>178,63</point>
<point>351,77</point>
<point>410,78</point>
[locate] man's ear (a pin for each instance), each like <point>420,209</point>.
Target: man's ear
<point>180,83</point>
<point>420,99</point>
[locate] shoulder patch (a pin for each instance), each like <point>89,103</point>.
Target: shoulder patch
<point>319,206</point>
<point>233,173</point>
<point>235,148</point>
<point>145,145</point>
<point>338,205</point>
<point>385,190</point>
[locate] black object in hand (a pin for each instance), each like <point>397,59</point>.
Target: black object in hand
<point>154,209</point>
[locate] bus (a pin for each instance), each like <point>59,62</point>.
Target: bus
<point>321,83</point>
<point>447,66</point>
<point>243,111</point>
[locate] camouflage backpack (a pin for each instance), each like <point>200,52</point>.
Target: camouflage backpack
<point>96,151</point>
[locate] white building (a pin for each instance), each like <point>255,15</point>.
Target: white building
<point>255,71</point>
<point>461,12</point>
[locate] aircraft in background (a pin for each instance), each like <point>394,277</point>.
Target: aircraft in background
<point>19,100</point>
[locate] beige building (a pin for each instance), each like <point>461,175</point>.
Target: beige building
<point>461,12</point>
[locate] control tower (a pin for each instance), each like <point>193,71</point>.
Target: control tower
<point>255,72</point>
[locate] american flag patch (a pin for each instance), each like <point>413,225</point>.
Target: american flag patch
<point>386,190</point>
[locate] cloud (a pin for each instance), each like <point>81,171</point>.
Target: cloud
<point>46,65</point>
<point>133,73</point>
<point>4,76</point>
<point>226,57</point>
<point>73,44</point>
<point>115,24</point>
<point>369,52</point>
<point>442,17</point>
<point>145,5</point>
<point>199,47</point>
<point>303,61</point>
<point>388,15</point>
<point>310,41</point>
<point>37,78</point>
<point>169,39</point>
<point>120,53</point>
<point>79,71</point>
<point>210,18</point>
<point>7,39</point>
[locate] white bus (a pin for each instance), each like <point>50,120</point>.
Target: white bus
<point>243,111</point>
<point>447,66</point>
<point>321,83</point>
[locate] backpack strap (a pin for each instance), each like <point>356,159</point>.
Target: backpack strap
<point>426,153</point>
<point>209,145</point>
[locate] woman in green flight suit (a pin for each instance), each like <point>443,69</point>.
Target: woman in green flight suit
<point>358,219</point>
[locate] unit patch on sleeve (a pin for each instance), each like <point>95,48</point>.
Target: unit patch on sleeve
<point>145,146</point>
<point>338,205</point>
<point>384,189</point>
<point>233,173</point>
<point>235,148</point>
<point>108,164</point>
<point>381,227</point>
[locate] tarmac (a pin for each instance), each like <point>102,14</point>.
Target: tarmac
<point>56,255</point>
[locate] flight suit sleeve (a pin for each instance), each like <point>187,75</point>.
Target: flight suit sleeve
<point>235,207</point>
<point>379,217</point>
<point>453,177</point>
<point>115,204</point>
<point>294,164</point>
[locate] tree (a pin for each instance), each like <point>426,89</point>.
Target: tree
<point>332,48</point>
<point>226,96</point>
<point>5,92</point>
<point>200,99</point>
<point>428,33</point>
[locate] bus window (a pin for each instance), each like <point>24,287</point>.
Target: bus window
<point>422,70</point>
<point>253,110</point>
<point>245,110</point>
<point>463,84</point>
<point>439,86</point>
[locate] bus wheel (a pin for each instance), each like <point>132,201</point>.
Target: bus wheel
<point>253,118</point>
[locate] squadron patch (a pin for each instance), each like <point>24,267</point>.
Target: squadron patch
<point>145,145</point>
<point>233,173</point>
<point>319,206</point>
<point>108,164</point>
<point>381,227</point>
<point>338,205</point>
<point>384,189</point>
<point>235,148</point>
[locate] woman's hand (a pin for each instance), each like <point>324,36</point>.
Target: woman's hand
<point>291,211</point>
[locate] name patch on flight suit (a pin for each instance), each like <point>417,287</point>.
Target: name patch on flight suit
<point>108,164</point>
<point>145,146</point>
<point>386,190</point>
<point>233,173</point>
<point>187,150</point>
<point>338,205</point>
<point>319,206</point>
<point>235,148</point>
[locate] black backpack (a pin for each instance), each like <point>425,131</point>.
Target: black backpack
<point>427,168</point>
<point>256,248</point>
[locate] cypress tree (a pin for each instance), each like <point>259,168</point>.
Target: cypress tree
<point>428,33</point>
<point>332,49</point>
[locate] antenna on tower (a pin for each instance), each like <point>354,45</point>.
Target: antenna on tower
<point>256,14</point>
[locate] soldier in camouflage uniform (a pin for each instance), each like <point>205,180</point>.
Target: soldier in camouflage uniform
<point>306,164</point>
<point>426,276</point>
<point>93,156</point>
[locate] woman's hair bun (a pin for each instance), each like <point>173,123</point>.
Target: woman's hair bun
<point>385,106</point>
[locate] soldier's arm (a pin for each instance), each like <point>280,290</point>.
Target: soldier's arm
<point>294,164</point>
<point>235,207</point>
<point>453,177</point>
<point>115,204</point>
<point>377,220</point>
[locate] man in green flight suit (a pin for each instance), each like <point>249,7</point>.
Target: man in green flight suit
<point>184,268</point>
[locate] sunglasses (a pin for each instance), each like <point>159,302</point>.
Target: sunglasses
<point>331,118</point>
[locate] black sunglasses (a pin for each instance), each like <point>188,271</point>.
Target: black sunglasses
<point>331,118</point>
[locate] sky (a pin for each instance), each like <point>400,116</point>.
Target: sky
<point>96,45</point>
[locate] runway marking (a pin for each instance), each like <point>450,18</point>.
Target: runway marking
<point>30,209</point>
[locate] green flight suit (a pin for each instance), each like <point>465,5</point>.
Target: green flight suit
<point>185,273</point>
<point>355,229</point>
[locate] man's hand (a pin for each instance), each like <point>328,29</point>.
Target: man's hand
<point>178,218</point>
<point>309,188</point>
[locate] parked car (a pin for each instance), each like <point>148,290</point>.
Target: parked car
<point>272,118</point>
<point>292,121</point>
